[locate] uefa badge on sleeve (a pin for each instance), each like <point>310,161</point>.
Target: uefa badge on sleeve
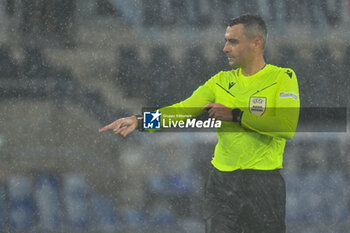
<point>151,120</point>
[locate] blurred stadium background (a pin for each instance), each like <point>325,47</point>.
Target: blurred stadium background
<point>67,67</point>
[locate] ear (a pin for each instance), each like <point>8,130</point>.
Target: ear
<point>258,43</point>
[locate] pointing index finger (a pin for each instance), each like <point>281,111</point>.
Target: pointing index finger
<point>107,127</point>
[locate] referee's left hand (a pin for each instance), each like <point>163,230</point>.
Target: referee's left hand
<point>219,111</point>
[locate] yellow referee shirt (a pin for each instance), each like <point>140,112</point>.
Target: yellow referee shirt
<point>270,103</point>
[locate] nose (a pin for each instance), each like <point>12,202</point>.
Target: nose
<point>225,49</point>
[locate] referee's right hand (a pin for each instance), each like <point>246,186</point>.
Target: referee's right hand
<point>122,126</point>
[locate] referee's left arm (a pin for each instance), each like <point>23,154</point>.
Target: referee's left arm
<point>284,122</point>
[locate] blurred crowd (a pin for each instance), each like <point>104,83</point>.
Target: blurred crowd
<point>44,202</point>
<point>57,19</point>
<point>203,13</point>
<point>34,64</point>
<point>158,189</point>
<point>323,80</point>
<point>41,20</point>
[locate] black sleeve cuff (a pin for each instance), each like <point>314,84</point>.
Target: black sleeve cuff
<point>139,122</point>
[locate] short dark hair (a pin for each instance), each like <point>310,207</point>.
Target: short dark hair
<point>254,26</point>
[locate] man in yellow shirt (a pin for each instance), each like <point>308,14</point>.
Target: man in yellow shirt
<point>258,105</point>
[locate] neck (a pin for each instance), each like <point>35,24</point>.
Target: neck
<point>254,66</point>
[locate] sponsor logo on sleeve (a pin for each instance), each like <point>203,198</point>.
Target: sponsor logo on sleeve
<point>285,95</point>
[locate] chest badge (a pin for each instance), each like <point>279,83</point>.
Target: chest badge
<point>257,105</point>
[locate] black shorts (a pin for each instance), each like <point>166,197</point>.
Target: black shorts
<point>248,201</point>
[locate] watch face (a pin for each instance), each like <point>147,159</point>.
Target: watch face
<point>236,114</point>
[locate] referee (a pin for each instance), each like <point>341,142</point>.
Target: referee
<point>258,105</point>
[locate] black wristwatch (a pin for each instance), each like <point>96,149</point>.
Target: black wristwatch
<point>236,115</point>
<point>139,122</point>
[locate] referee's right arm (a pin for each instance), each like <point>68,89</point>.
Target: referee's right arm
<point>200,97</point>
